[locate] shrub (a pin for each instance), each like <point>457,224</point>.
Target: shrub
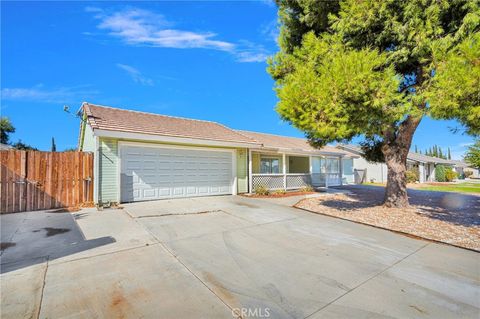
<point>279,192</point>
<point>412,175</point>
<point>450,175</point>
<point>261,190</point>
<point>440,173</point>
<point>306,189</point>
<point>468,174</point>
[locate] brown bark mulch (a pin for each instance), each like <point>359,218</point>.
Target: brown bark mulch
<point>446,217</point>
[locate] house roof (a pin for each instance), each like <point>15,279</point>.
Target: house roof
<point>114,119</point>
<point>290,143</point>
<point>428,159</point>
<point>459,163</point>
<point>411,155</point>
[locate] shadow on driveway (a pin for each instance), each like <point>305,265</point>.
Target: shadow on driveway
<point>455,208</point>
<point>33,237</point>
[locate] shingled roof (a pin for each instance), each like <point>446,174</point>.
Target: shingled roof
<point>290,143</point>
<point>114,119</point>
<point>411,155</point>
<point>120,120</point>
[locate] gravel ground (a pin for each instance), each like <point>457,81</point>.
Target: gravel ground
<point>447,217</point>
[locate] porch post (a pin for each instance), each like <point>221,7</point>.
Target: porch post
<point>340,169</point>
<point>250,190</point>
<point>326,173</point>
<point>310,169</point>
<point>284,162</point>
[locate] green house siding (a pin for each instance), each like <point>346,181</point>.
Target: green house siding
<point>108,173</point>
<point>242,171</point>
<point>88,140</point>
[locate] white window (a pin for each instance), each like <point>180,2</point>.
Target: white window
<point>332,165</point>
<point>269,165</point>
<point>318,165</point>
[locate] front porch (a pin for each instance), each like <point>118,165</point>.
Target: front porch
<point>277,171</point>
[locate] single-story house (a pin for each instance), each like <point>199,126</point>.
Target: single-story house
<point>144,156</point>
<point>365,171</point>
<point>461,167</point>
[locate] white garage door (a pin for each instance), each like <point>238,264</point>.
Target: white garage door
<point>155,173</point>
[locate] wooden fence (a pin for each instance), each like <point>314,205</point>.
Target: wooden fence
<point>32,180</point>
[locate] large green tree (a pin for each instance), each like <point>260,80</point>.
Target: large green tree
<point>6,128</point>
<point>472,156</point>
<point>374,69</point>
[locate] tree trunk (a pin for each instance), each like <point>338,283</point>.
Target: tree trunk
<point>396,190</point>
<point>395,150</point>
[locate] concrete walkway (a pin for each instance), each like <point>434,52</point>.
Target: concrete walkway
<point>207,257</point>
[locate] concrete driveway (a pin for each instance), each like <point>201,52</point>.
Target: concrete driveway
<point>207,257</point>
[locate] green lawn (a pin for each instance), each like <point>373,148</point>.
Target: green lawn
<point>458,188</point>
<point>465,187</point>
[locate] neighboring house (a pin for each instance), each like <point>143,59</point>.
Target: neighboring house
<point>365,171</point>
<point>144,156</point>
<point>461,167</point>
<point>4,147</point>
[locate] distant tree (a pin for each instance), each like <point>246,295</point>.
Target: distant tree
<point>6,128</point>
<point>416,149</point>
<point>54,146</point>
<point>440,153</point>
<point>24,147</point>
<point>70,149</point>
<point>472,155</point>
<point>449,155</point>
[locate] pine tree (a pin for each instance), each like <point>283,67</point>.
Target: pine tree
<point>373,69</point>
<point>449,154</point>
<point>54,147</point>
<point>416,149</point>
<point>440,153</point>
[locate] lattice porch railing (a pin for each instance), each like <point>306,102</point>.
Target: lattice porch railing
<point>298,181</point>
<point>270,181</point>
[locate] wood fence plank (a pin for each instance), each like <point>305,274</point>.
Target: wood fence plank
<point>10,194</point>
<point>3,180</point>
<point>33,180</point>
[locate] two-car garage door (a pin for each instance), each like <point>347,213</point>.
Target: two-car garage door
<point>149,173</point>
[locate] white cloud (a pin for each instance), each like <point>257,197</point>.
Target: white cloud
<point>40,94</point>
<point>135,74</point>
<point>270,3</point>
<point>142,27</point>
<point>251,52</point>
<point>271,30</point>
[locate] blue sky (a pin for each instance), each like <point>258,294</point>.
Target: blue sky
<point>203,60</point>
